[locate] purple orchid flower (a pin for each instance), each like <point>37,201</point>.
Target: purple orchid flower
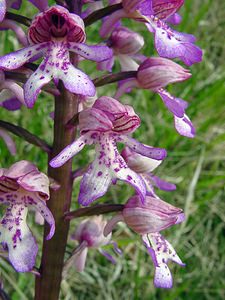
<point>22,187</point>
<point>147,220</point>
<point>144,167</point>
<point>125,44</point>
<point>168,42</point>
<point>155,73</point>
<point>89,234</point>
<point>54,33</point>
<point>105,124</point>
<point>13,99</point>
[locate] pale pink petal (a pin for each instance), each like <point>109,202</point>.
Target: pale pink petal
<point>20,169</point>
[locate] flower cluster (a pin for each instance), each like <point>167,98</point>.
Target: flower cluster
<point>57,36</point>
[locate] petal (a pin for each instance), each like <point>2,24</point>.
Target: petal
<point>106,65</point>
<point>96,53</point>
<point>20,169</point>
<point>162,184</point>
<point>80,259</point>
<point>35,82</point>
<point>76,81</point>
<point>161,251</point>
<point>171,103</point>
<point>36,181</point>
<point>129,176</point>
<point>108,256</point>
<point>68,152</point>
<point>172,44</point>
<point>11,104</point>
<point>9,141</point>
<point>95,181</point>
<point>184,126</point>
<point>16,59</point>
<point>34,203</point>
<point>2,9</point>
<point>154,153</point>
<point>16,235</point>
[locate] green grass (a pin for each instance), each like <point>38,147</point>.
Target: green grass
<point>195,165</point>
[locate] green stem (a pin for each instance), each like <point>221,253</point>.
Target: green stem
<point>48,284</point>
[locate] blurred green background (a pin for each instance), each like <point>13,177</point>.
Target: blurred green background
<point>195,165</point>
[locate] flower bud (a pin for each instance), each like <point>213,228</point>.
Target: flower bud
<point>91,232</point>
<point>152,216</point>
<point>125,41</point>
<point>157,72</point>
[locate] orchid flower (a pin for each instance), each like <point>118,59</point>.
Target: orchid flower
<point>155,73</point>
<point>144,167</point>
<point>105,124</point>
<point>89,234</point>
<point>13,99</point>
<point>148,220</point>
<point>168,42</point>
<point>125,44</point>
<point>54,33</point>
<point>22,187</point>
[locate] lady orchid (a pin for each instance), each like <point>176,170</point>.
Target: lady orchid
<point>148,219</point>
<point>144,167</point>
<point>105,124</point>
<point>53,34</point>
<point>22,187</point>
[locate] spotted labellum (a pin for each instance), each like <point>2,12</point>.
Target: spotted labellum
<point>22,187</point>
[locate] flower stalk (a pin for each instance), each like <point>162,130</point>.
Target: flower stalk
<point>48,284</point>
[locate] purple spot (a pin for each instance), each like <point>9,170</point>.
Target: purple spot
<point>99,173</point>
<point>129,177</point>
